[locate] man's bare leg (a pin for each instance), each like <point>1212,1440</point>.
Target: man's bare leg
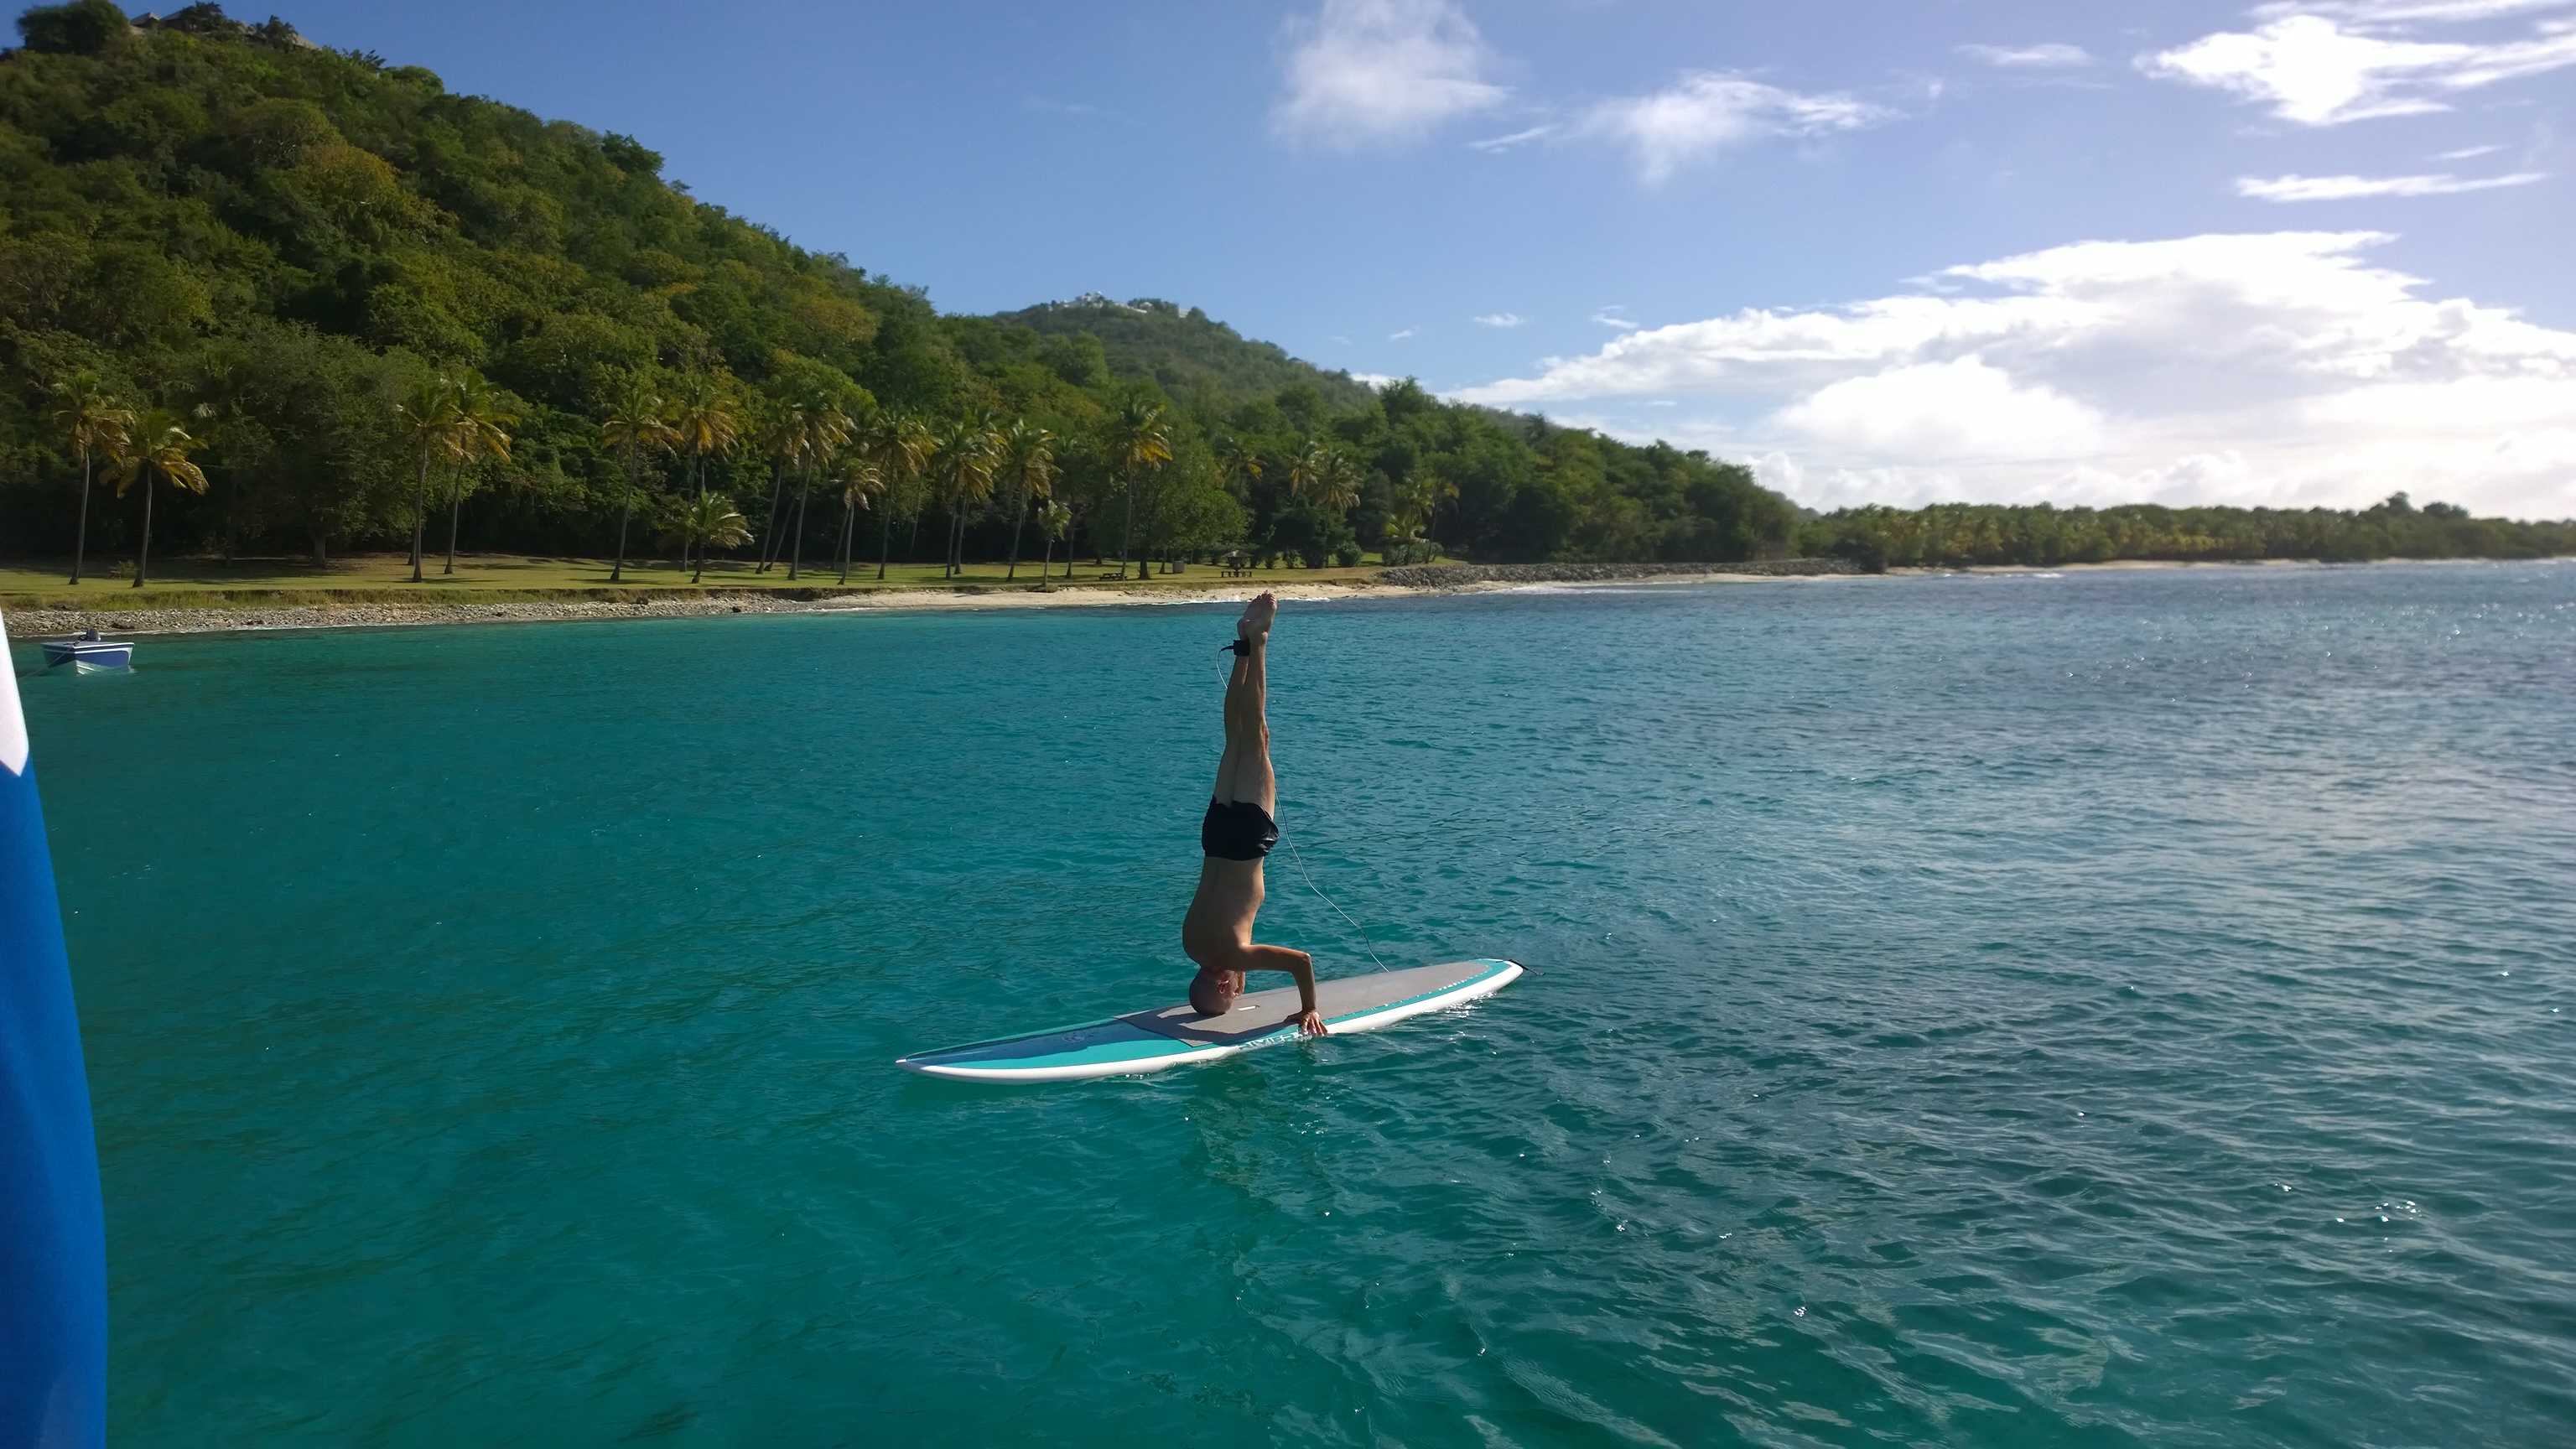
<point>1217,933</point>
<point>1243,772</point>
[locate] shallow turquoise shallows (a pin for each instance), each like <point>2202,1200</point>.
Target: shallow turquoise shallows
<point>2125,1008</point>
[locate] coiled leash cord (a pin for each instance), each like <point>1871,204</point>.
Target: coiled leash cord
<point>1298,856</point>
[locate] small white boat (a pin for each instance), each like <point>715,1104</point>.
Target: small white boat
<point>90,652</point>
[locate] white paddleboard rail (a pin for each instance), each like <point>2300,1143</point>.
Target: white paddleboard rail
<point>1152,1041</point>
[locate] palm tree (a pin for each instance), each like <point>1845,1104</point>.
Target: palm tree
<point>900,444</point>
<point>1328,476</point>
<point>823,431</point>
<point>1137,436</point>
<point>1342,483</point>
<point>482,430</point>
<point>159,446</point>
<point>1072,520</point>
<point>704,522</point>
<point>783,439</point>
<point>1237,462</point>
<point>90,414</point>
<point>1053,520</point>
<point>707,420</point>
<point>1028,461</point>
<point>861,478</point>
<point>429,426</point>
<point>1307,469</point>
<point>963,466</point>
<point>1415,501</point>
<point>634,423</point>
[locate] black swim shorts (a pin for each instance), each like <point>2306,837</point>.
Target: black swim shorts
<point>1240,830</point>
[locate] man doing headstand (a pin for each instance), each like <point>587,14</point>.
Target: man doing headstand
<point>1237,832</point>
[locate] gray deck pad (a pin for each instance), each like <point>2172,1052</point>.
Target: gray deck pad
<point>1259,1013</point>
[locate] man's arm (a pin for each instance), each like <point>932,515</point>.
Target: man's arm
<point>1309,1017</point>
<point>1310,1020</point>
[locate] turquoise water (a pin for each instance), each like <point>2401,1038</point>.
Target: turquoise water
<point>2126,1008</point>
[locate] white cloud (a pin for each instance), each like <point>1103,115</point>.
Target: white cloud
<point>1609,317</point>
<point>1516,138</point>
<point>1706,112</point>
<point>1501,319</point>
<point>1938,411</point>
<point>1373,71</point>
<point>2273,368</point>
<point>2051,56</point>
<point>1400,336</point>
<point>2315,72</point>
<point>2469,153</point>
<point>2347,188</point>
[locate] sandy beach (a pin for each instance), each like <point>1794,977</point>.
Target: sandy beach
<point>1402,583</point>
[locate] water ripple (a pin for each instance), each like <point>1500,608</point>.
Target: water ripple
<point>2112,1008</point>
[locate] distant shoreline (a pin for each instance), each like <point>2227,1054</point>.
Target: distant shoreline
<point>26,624</point>
<point>29,624</point>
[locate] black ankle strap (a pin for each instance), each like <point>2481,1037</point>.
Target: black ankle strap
<point>1238,648</point>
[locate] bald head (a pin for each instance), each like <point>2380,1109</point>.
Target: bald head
<point>1212,993</point>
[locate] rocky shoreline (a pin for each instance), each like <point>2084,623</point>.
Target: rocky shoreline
<point>1457,575</point>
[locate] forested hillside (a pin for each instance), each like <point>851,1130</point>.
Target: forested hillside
<point>269,256</point>
<point>1952,535</point>
<point>1183,351</point>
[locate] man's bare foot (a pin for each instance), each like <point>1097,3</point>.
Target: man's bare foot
<point>1257,617</point>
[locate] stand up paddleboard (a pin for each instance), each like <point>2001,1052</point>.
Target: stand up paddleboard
<point>1148,1041</point>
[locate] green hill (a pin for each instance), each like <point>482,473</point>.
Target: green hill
<point>1183,351</point>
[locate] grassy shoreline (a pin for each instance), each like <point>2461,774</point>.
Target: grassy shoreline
<point>385,579</point>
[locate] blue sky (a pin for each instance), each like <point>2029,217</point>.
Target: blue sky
<point>1891,250</point>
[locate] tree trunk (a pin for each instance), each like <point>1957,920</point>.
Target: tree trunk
<point>796,546</point>
<point>1045,568</point>
<point>1019,520</point>
<point>697,487</point>
<point>455,497</point>
<point>625,500</point>
<point>143,555</point>
<point>1127,542</point>
<point>885,540</point>
<point>769,525</point>
<point>849,525</point>
<point>419,513</point>
<point>321,549</point>
<point>80,540</point>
